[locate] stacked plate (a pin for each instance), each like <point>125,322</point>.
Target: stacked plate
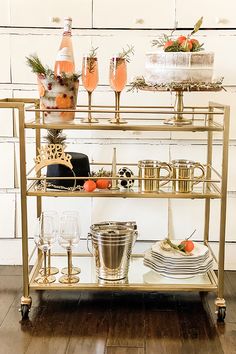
<point>174,264</point>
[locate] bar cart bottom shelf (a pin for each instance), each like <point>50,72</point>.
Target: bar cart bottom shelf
<point>140,278</point>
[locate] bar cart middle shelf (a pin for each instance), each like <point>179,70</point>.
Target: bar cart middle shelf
<point>211,119</point>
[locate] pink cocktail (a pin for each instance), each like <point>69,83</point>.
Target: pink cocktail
<point>90,82</point>
<point>118,79</point>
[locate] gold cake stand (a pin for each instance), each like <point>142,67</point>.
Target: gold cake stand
<point>179,117</point>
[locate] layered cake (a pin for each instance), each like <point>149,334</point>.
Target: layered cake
<point>181,60</point>
<point>167,67</point>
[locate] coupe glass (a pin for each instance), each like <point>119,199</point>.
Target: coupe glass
<point>68,238</point>
<point>45,236</point>
<point>90,82</point>
<point>118,79</point>
<point>51,270</point>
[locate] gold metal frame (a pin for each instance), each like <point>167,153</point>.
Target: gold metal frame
<point>146,118</point>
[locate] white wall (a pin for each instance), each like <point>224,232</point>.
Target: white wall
<point>110,25</point>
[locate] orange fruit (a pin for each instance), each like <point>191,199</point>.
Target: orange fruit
<point>181,39</point>
<point>194,41</point>
<point>63,101</point>
<point>103,183</point>
<point>187,45</point>
<point>89,186</point>
<point>168,44</point>
<point>188,245</point>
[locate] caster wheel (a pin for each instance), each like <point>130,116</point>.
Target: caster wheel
<point>221,313</point>
<point>25,309</point>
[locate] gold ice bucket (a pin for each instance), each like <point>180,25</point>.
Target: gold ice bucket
<point>184,175</point>
<point>150,174</point>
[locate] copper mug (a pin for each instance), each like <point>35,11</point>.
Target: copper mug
<point>150,175</point>
<point>183,175</point>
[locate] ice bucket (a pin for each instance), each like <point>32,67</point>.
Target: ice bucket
<point>112,245</point>
<point>58,94</point>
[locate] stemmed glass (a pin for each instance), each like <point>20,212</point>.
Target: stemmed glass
<point>51,270</point>
<point>68,238</point>
<point>90,81</point>
<point>118,79</point>
<point>74,270</point>
<point>45,236</point>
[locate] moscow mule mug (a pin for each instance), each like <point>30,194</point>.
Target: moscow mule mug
<point>183,175</point>
<point>150,175</point>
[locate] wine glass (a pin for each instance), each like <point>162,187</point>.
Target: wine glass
<point>68,238</point>
<point>74,270</point>
<point>54,215</point>
<point>45,236</point>
<point>118,79</point>
<point>90,82</point>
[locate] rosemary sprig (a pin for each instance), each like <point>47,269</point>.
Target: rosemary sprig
<point>91,59</point>
<point>126,53</point>
<point>38,68</point>
<point>36,65</point>
<point>139,83</point>
<point>93,52</point>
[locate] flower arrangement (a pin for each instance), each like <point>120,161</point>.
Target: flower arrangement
<point>182,43</point>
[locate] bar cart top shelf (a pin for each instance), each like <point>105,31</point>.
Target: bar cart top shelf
<point>139,118</point>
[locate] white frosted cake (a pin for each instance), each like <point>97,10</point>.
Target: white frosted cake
<point>167,67</point>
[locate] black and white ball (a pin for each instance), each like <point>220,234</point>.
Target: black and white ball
<point>127,173</point>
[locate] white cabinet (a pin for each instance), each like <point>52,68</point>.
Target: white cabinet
<point>216,13</point>
<point>50,13</point>
<point>4,12</point>
<point>7,215</point>
<point>5,76</point>
<point>6,117</point>
<point>133,14</point>
<point>7,165</point>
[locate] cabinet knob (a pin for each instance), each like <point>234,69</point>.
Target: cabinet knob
<point>54,19</point>
<point>139,21</point>
<point>221,20</point>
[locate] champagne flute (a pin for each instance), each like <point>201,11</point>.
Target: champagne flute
<point>74,270</point>
<point>90,81</point>
<point>69,237</point>
<point>54,215</point>
<point>118,79</point>
<point>45,236</point>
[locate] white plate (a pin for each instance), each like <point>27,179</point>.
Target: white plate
<point>175,276</point>
<point>179,262</point>
<point>198,251</point>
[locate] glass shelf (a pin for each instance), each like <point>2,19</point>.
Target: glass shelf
<point>139,118</point>
<point>140,278</point>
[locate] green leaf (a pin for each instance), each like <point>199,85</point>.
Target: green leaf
<point>197,26</point>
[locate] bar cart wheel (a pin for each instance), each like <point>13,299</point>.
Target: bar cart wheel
<point>24,309</point>
<point>221,313</point>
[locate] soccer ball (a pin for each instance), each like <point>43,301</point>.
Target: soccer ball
<point>127,173</point>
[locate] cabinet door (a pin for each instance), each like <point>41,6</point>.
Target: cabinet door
<point>7,215</point>
<point>50,13</point>
<point>6,116</point>
<point>4,12</point>
<point>216,13</point>
<point>5,76</point>
<point>133,14</point>
<point>7,165</point>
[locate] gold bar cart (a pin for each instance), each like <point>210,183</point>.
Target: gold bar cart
<point>211,119</point>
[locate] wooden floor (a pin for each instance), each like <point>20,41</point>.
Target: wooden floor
<point>114,323</point>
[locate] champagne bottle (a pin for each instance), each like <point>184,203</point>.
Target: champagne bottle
<point>65,57</point>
